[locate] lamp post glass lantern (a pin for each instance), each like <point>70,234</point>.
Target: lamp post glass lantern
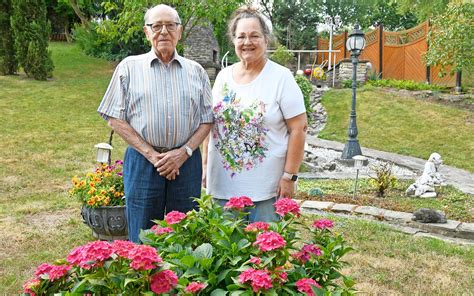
<point>355,44</point>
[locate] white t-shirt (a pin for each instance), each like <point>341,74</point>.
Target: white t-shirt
<point>248,143</point>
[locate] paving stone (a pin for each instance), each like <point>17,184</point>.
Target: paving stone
<point>317,205</point>
<point>397,216</point>
<point>466,230</point>
<point>343,208</point>
<point>372,211</point>
<point>448,229</point>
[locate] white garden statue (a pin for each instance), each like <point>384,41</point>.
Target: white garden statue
<point>425,185</point>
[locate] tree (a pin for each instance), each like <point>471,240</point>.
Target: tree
<point>388,14</point>
<point>423,9</point>
<point>120,30</point>
<point>295,24</point>
<point>31,31</point>
<point>451,38</point>
<point>8,62</point>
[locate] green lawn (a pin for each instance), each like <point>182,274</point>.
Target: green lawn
<point>403,125</point>
<point>48,133</point>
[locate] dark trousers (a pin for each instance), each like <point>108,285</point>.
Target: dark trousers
<point>150,196</point>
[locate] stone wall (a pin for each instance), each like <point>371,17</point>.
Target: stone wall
<point>202,47</point>
<point>344,71</point>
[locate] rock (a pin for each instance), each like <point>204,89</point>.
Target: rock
<point>425,215</point>
<point>428,195</point>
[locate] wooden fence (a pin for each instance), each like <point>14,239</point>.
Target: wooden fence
<point>396,55</point>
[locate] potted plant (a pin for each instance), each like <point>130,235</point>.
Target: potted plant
<point>103,203</point>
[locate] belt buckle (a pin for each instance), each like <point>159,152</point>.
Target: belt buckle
<point>161,149</point>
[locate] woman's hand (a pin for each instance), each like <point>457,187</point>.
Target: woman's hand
<point>286,188</point>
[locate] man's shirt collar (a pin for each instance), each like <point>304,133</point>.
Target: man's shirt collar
<point>151,56</point>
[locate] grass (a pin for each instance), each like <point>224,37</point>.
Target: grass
<point>48,133</point>
<point>456,204</point>
<point>386,262</point>
<point>403,125</point>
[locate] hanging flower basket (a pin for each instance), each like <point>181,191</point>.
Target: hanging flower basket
<point>103,203</point>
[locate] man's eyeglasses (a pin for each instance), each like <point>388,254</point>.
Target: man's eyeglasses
<point>158,28</point>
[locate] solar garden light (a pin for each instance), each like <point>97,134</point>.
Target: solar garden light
<point>355,44</point>
<point>104,151</point>
<point>359,161</point>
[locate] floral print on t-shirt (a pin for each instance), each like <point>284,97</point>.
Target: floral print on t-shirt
<point>239,132</point>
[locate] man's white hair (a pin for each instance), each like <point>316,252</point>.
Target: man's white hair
<point>150,11</point>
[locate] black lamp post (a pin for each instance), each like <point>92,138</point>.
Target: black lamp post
<point>355,44</point>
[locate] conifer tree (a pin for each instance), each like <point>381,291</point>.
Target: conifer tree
<point>31,30</point>
<point>8,62</point>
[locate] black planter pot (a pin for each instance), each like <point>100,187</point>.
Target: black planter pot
<point>107,223</point>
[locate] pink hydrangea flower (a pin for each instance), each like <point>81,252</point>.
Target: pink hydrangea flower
<point>58,271</point>
<point>305,254</point>
<point>259,279</point>
<point>90,255</point>
<point>161,230</point>
<point>163,281</point>
<point>312,249</point>
<point>280,275</point>
<point>323,224</point>
<point>123,248</point>
<point>174,217</point>
<point>304,286</point>
<point>256,226</point>
<point>44,268</point>
<point>195,287</point>
<point>238,203</point>
<point>284,206</point>
<point>144,258</point>
<point>255,260</point>
<point>31,284</point>
<point>269,240</point>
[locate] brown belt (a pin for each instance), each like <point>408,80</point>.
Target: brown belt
<point>162,149</point>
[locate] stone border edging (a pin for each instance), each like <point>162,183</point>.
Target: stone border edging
<point>452,228</point>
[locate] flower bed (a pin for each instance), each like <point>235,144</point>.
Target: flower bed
<point>208,251</point>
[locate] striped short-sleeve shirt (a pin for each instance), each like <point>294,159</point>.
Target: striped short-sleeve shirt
<point>165,104</point>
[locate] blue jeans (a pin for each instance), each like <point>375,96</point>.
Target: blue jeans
<point>150,196</point>
<point>264,210</point>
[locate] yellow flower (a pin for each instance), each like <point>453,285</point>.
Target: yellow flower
<point>91,191</point>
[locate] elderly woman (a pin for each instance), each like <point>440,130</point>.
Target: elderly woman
<point>257,143</point>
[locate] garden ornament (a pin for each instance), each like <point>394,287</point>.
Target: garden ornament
<point>425,185</point>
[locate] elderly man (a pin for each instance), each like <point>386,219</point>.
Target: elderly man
<point>160,104</point>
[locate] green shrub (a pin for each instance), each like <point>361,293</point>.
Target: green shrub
<point>31,30</point>
<point>8,62</point>
<point>282,56</point>
<point>306,88</point>
<point>383,178</point>
<point>316,192</point>
<point>346,83</point>
<point>38,61</point>
<point>403,84</point>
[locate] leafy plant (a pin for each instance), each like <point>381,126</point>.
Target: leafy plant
<point>306,88</point>
<point>383,178</point>
<point>282,56</point>
<point>104,187</point>
<point>211,251</point>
